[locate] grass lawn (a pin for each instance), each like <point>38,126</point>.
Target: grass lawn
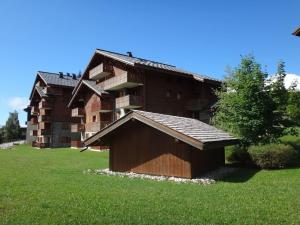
<point>49,187</point>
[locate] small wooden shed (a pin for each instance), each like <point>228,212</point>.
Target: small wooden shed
<point>158,144</point>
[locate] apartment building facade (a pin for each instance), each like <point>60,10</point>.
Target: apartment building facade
<point>114,83</point>
<point>48,117</point>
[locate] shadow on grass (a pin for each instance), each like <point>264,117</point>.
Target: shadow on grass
<point>242,174</point>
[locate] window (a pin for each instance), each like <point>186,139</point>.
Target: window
<point>94,119</point>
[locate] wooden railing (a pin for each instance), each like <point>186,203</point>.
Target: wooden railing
<point>44,118</point>
<point>34,110</point>
<point>96,126</point>
<point>45,105</point>
<point>99,72</point>
<point>77,127</point>
<point>129,101</point>
<point>126,80</point>
<point>77,112</point>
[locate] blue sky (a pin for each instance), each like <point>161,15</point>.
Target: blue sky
<point>200,36</point>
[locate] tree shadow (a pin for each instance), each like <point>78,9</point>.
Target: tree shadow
<point>243,173</point>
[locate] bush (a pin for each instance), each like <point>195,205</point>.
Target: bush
<point>272,156</point>
<point>238,154</point>
<point>293,141</point>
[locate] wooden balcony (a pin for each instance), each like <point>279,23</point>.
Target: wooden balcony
<point>44,118</point>
<point>126,80</point>
<point>44,105</point>
<point>42,132</point>
<point>77,127</point>
<point>77,112</point>
<point>45,112</point>
<point>96,126</point>
<point>196,104</point>
<point>34,110</point>
<point>99,72</point>
<point>33,133</point>
<point>34,121</point>
<point>129,102</point>
<point>44,125</point>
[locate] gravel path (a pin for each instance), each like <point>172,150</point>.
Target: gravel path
<point>208,178</point>
<point>8,145</point>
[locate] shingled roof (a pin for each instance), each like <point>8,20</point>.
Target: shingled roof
<point>297,32</point>
<point>90,84</point>
<point>55,79</point>
<point>134,61</point>
<point>188,130</point>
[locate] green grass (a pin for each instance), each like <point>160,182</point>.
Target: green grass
<point>49,187</point>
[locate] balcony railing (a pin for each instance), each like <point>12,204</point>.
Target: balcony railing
<point>44,125</point>
<point>34,110</point>
<point>96,126</point>
<point>45,112</point>
<point>33,121</point>
<point>77,127</point>
<point>44,118</point>
<point>126,80</point>
<point>77,112</point>
<point>33,133</point>
<point>99,72</point>
<point>44,105</point>
<point>196,104</point>
<point>42,132</point>
<point>129,102</point>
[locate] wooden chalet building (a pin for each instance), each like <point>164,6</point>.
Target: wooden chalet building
<point>49,121</point>
<point>297,32</point>
<point>115,83</point>
<point>158,144</point>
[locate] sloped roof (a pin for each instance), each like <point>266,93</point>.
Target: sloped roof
<point>297,32</point>
<point>90,84</point>
<point>152,64</point>
<point>188,130</point>
<point>40,91</point>
<point>55,79</point>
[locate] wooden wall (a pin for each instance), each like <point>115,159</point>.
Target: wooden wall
<point>169,94</point>
<point>142,149</point>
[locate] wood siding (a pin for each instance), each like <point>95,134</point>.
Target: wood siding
<point>142,149</point>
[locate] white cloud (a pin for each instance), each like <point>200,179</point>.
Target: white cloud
<point>18,103</point>
<point>290,78</point>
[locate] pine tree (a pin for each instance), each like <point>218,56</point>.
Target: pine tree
<point>12,130</point>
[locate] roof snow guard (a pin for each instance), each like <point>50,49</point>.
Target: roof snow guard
<point>191,131</point>
<point>134,61</point>
<point>57,79</point>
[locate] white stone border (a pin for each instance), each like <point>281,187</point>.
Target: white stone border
<point>208,178</point>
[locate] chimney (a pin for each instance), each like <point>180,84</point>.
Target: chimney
<point>74,76</point>
<point>61,74</point>
<point>129,54</point>
<point>68,74</point>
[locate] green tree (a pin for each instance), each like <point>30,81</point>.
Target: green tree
<point>293,105</point>
<point>278,98</point>
<point>12,130</point>
<point>243,103</point>
<point>1,135</point>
